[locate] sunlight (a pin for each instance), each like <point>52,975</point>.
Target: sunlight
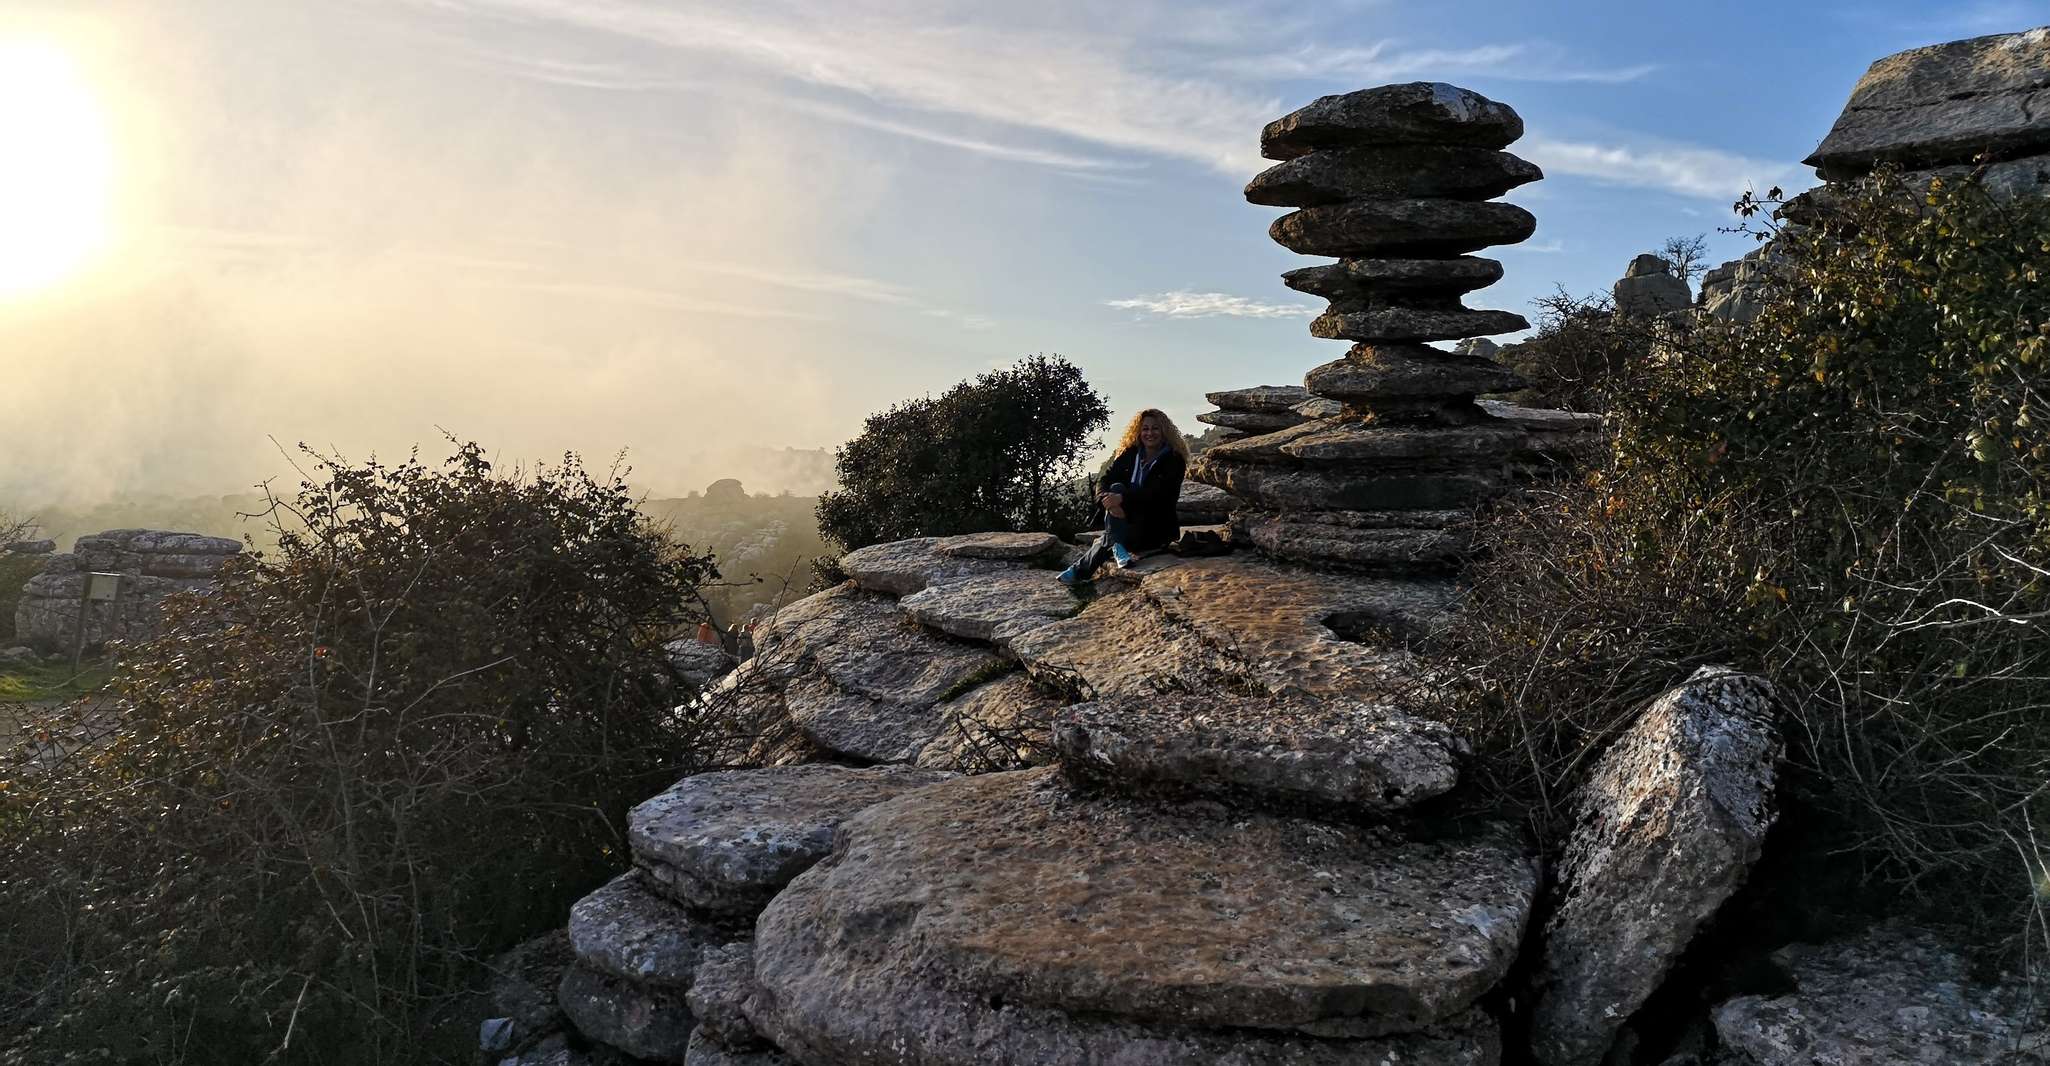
<point>55,168</point>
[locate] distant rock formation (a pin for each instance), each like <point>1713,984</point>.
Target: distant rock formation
<point>152,563</point>
<point>1648,289</point>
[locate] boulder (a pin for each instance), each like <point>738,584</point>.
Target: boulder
<point>1450,171</point>
<point>902,567</point>
<point>1317,407</point>
<point>1414,324</point>
<point>647,1023</point>
<point>1287,750</point>
<point>626,930</point>
<point>1414,112</point>
<point>717,999</point>
<point>725,842</point>
<point>30,547</point>
<point>992,607</point>
<point>523,983</point>
<point>1665,830</point>
<point>1401,228</point>
<point>1372,372</point>
<point>1202,505</point>
<point>999,545</point>
<point>698,662</point>
<point>1003,725</point>
<point>1272,398</point>
<point>1251,421</point>
<point>1648,289</point>
<point>707,1051</point>
<point>1895,994</point>
<point>1946,103</point>
<point>1010,890</point>
<point>154,564</point>
<point>1334,487</point>
<point>1384,544</point>
<point>1352,279</point>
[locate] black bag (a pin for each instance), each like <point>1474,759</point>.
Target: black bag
<point>1197,542</point>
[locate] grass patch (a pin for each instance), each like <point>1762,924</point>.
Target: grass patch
<point>23,682</point>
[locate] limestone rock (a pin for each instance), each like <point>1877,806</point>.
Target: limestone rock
<point>1121,643</point>
<point>999,545</point>
<point>1251,421</point>
<point>647,1023</point>
<point>1450,445</point>
<point>1335,536</point>
<point>30,547</point>
<point>725,842</point>
<point>1007,888</point>
<point>1202,504</point>
<point>1401,228</point>
<point>1415,112</point>
<point>1894,994</point>
<point>902,567</point>
<point>1373,372</point>
<point>1272,398</point>
<point>154,564</point>
<point>1542,419</point>
<point>1450,171</point>
<point>1414,324</point>
<point>1666,829</point>
<point>717,999</point>
<point>523,983</point>
<point>1944,104</point>
<point>992,607</point>
<point>1648,288</point>
<point>698,662</point>
<point>1352,279</point>
<point>625,930</point>
<point>1003,725</point>
<point>1317,407</point>
<point>863,679</point>
<point>707,1051</point>
<point>1285,749</point>
<point>1336,488</point>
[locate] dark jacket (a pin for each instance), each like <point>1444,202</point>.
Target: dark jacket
<point>1150,506</point>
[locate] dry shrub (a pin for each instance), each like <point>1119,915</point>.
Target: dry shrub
<point>1848,495</point>
<point>404,742</point>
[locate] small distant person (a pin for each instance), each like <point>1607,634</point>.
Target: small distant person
<point>1136,496</point>
<point>706,634</point>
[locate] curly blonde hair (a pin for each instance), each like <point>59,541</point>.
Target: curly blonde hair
<point>1167,430</point>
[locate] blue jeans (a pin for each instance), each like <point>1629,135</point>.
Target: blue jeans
<point>1115,531</point>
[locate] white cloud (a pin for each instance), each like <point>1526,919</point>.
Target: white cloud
<point>1689,170</point>
<point>1382,61</point>
<point>1181,304</point>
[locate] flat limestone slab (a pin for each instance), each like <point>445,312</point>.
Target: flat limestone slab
<point>726,977</point>
<point>1272,398</point>
<point>647,1023</point>
<point>1455,172</point>
<point>1399,371</point>
<point>985,606</point>
<point>902,567</point>
<point>624,929</point>
<point>999,545</point>
<point>1944,104</point>
<point>1413,324</point>
<point>1011,890</point>
<point>1369,229</point>
<point>1122,643</point>
<point>1003,725</point>
<point>1279,749</point>
<point>1418,112</point>
<point>727,841</point>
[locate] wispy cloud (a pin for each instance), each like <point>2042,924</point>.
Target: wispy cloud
<point>1181,304</point>
<point>1689,170</point>
<point>1384,61</point>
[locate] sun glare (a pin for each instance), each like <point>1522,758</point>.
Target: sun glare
<point>55,168</point>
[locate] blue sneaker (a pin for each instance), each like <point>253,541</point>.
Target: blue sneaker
<point>1121,557</point>
<point>1071,577</point>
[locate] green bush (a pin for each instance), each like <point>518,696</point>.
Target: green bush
<point>1848,495</point>
<point>328,789</point>
<point>1001,452</point>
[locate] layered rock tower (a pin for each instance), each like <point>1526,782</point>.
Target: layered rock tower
<point>1398,183</point>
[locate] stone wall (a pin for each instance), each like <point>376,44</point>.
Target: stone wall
<point>153,564</point>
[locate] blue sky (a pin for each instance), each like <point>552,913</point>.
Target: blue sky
<point>671,226</point>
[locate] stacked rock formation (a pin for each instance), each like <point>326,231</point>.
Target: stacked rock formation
<point>1266,408</point>
<point>1648,289</point>
<point>153,563</point>
<point>1398,183</point>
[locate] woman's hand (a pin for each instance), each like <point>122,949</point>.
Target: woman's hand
<point>1113,502</point>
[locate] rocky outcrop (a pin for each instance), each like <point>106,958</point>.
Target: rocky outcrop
<point>153,564</point>
<point>995,918</point>
<point>1648,289</point>
<point>1895,994</point>
<point>1665,830</point>
<point>1396,182</point>
<point>1944,104</point>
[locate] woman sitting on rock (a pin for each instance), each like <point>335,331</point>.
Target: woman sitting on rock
<point>1136,495</point>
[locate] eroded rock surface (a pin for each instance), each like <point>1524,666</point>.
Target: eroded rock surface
<point>1003,725</point>
<point>1008,889</point>
<point>999,545</point>
<point>725,842</point>
<point>1944,104</point>
<point>626,930</point>
<point>902,567</point>
<point>1666,829</point>
<point>726,977</point>
<point>708,1051</point>
<point>1893,995</point>
<point>647,1023</point>
<point>1291,749</point>
<point>993,607</point>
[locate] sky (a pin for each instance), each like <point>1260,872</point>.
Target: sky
<point>686,227</point>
